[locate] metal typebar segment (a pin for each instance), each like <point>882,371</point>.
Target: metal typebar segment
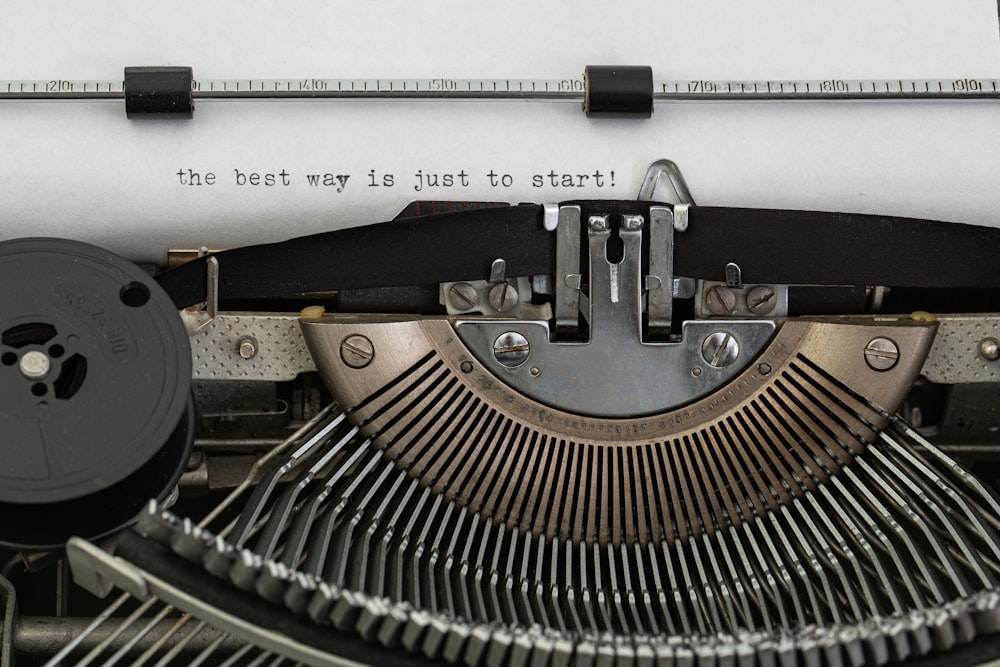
<point>569,89</point>
<point>615,288</point>
<point>568,280</point>
<point>660,281</point>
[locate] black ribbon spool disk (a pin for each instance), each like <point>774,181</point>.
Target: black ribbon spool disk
<point>96,415</point>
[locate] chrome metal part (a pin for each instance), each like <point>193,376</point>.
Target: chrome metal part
<point>720,349</point>
<point>119,570</point>
<point>568,277</point>
<point>713,299</point>
<point>357,351</point>
<point>101,581</point>
<point>543,284</point>
<point>876,295</point>
<point>34,365</point>
<point>720,299</point>
<point>212,298</point>
<point>8,594</point>
<point>498,271</point>
<point>654,173</point>
<point>617,346</point>
<point>198,317</point>
<point>762,300</point>
<point>734,276</point>
<point>98,621</point>
<point>660,281</point>
<point>685,288</point>
<point>806,565</point>
<point>654,376</point>
<point>503,297</point>
<point>785,518</point>
<point>781,516</point>
<point>956,356</point>
<point>681,213</point>
<point>109,632</point>
<point>881,353</point>
<point>178,256</point>
<point>247,347</point>
<point>217,348</point>
<point>598,223</point>
<point>511,349</point>
<point>463,297</point>
<point>572,89</point>
<point>481,296</point>
<point>632,222</point>
<point>550,216</point>
<point>40,636</point>
<point>439,422</point>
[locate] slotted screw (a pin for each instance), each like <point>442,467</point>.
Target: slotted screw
<point>463,296</point>
<point>760,300</point>
<point>357,351</point>
<point>720,300</point>
<point>511,349</point>
<point>881,354</point>
<point>503,297</point>
<point>720,349</point>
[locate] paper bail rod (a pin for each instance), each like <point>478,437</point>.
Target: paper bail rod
<point>604,91</point>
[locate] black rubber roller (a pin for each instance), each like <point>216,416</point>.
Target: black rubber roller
<point>618,91</point>
<point>159,92</point>
<point>95,392</point>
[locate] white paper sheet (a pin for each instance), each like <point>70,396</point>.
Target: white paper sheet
<point>83,171</point>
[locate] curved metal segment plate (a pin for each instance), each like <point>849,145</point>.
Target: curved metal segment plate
<point>625,378</point>
<point>809,404</point>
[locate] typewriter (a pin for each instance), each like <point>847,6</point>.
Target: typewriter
<point>587,433</point>
<point>616,433</point>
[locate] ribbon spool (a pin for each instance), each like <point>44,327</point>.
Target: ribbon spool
<point>96,415</point>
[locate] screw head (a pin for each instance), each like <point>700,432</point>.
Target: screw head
<point>989,348</point>
<point>246,346</point>
<point>503,297</point>
<point>761,300</point>
<point>511,349</point>
<point>720,349</point>
<point>632,223</point>
<point>881,354</point>
<point>720,300</point>
<point>463,296</point>
<point>357,351</point>
<point>597,223</point>
<point>35,365</point>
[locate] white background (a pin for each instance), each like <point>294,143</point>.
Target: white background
<point>82,170</point>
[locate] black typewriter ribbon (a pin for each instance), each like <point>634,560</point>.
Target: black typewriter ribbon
<point>770,246</point>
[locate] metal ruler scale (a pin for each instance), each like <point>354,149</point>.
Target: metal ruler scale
<point>570,89</point>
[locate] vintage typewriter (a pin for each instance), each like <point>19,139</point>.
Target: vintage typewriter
<point>584,433</point>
